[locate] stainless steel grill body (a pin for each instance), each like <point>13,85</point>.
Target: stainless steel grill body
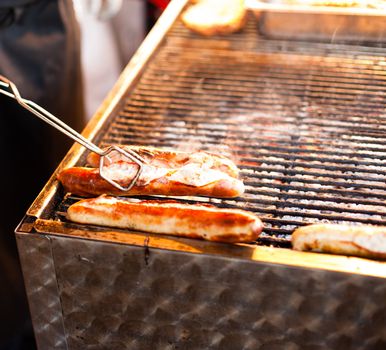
<point>305,123</point>
<point>119,296</point>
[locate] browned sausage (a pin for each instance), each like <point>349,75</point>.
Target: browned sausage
<point>87,182</point>
<point>164,173</point>
<point>168,217</point>
<point>359,240</point>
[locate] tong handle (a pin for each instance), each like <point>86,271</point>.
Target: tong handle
<point>46,116</point>
<point>6,85</point>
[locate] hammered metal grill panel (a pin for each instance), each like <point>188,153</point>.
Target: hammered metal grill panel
<point>305,122</point>
<point>125,297</point>
<point>42,291</point>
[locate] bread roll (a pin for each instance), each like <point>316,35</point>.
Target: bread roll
<point>211,17</point>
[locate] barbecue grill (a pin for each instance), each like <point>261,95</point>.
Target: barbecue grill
<point>304,121</point>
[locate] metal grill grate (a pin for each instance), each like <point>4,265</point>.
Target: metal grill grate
<point>304,121</point>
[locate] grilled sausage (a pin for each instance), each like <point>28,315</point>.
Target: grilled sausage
<point>164,173</point>
<point>359,240</point>
<point>87,182</point>
<point>168,217</point>
<point>172,159</point>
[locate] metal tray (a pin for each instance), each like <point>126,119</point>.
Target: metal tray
<point>324,23</point>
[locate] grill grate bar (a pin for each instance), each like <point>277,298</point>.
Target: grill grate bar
<point>178,107</point>
<point>305,111</point>
<point>284,200</point>
<point>183,110</point>
<point>323,186</point>
<point>309,197</point>
<point>348,77</point>
<point>217,91</point>
<point>279,61</point>
<point>200,122</point>
<point>238,138</point>
<point>287,113</point>
<point>283,131</point>
<point>302,93</point>
<point>276,158</point>
<point>272,92</point>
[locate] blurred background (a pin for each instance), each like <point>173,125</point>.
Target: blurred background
<point>110,35</point>
<point>34,53</point>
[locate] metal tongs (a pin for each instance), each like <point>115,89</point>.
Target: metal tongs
<point>9,89</point>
